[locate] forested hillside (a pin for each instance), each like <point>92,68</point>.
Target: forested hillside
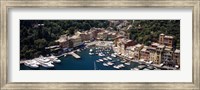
<point>35,35</point>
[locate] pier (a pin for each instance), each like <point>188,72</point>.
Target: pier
<point>74,54</point>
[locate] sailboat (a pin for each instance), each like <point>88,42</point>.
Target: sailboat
<point>95,68</point>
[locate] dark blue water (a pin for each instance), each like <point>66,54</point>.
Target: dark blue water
<point>87,62</point>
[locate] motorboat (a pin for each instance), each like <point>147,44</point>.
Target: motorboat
<point>91,53</point>
<point>113,55</point>
<point>127,63</point>
<point>110,63</point>
<point>105,59</point>
<point>91,50</point>
<point>105,64</point>
<point>101,60</point>
<point>97,61</point>
<point>31,64</point>
<point>109,58</point>
<point>57,60</point>
<point>47,65</point>
<point>101,54</point>
<point>116,66</point>
<point>78,50</point>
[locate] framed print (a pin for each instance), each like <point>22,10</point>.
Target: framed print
<point>105,44</point>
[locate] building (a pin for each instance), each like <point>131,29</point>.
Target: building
<point>77,41</point>
<point>166,40</point>
<point>137,50</point>
<point>130,52</point>
<point>103,35</point>
<point>176,56</point>
<point>122,44</point>
<point>65,42</point>
<point>155,52</point>
<point>144,54</point>
<point>167,54</point>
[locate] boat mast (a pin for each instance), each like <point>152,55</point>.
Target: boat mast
<point>95,66</point>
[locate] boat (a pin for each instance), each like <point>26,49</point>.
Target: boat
<point>141,67</point>
<point>123,61</point>
<point>127,63</point>
<point>150,68</point>
<point>109,58</point>
<point>116,66</point>
<point>135,68</point>
<point>57,60</point>
<point>121,65</point>
<point>105,64</point>
<point>113,55</point>
<point>105,59</point>
<point>47,65</point>
<point>91,53</point>
<point>97,61</point>
<point>110,63</point>
<point>78,50</point>
<point>31,64</point>
<point>101,54</point>
<point>91,50</point>
<point>101,60</point>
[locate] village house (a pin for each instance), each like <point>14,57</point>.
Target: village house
<point>176,57</point>
<point>166,40</point>
<point>137,50</point>
<point>122,44</point>
<point>144,54</point>
<point>130,52</point>
<point>156,52</point>
<point>65,42</point>
<point>167,54</point>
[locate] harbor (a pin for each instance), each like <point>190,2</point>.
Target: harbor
<point>89,58</point>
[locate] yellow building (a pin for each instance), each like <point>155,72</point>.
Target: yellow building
<point>137,50</point>
<point>166,40</point>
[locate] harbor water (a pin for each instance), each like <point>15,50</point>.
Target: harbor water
<point>87,61</point>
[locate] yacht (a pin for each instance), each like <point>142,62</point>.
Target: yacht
<point>31,64</point>
<point>91,53</point>
<point>128,63</point>
<point>105,64</point>
<point>116,66</point>
<point>91,50</point>
<point>101,60</point>
<point>101,54</point>
<point>47,65</point>
<point>97,61</point>
<point>113,55</point>
<point>110,63</point>
<point>109,58</point>
<point>57,60</point>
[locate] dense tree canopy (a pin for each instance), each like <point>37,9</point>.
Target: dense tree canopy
<point>35,35</point>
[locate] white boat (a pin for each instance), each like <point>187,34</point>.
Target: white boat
<point>121,65</point>
<point>91,53</point>
<point>116,66</point>
<point>128,63</point>
<point>97,61</point>
<point>113,55</point>
<point>78,50</point>
<point>105,64</point>
<point>47,65</point>
<point>110,63</point>
<point>57,60</point>
<point>101,54</point>
<point>91,50</point>
<point>109,58</point>
<point>101,60</point>
<point>31,64</point>
<point>105,59</point>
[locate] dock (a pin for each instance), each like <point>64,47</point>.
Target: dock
<point>74,54</point>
